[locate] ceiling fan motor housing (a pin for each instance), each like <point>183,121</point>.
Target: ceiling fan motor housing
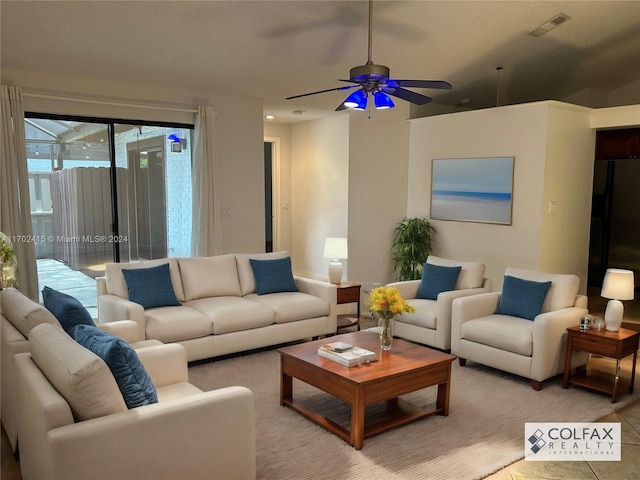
<point>369,73</point>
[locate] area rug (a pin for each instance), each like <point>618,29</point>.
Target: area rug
<point>483,432</point>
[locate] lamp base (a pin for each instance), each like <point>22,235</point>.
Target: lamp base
<point>613,315</point>
<point>335,272</point>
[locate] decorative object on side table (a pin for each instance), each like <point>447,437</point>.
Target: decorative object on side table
<point>617,285</point>
<point>385,303</point>
<point>335,249</point>
<point>597,323</point>
<point>8,263</point>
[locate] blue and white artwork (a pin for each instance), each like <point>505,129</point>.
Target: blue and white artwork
<point>472,189</point>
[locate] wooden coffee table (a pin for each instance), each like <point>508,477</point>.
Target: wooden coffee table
<point>407,367</point>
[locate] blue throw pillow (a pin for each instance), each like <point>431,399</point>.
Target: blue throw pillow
<point>68,310</point>
<point>151,287</point>
<point>273,276</point>
<point>437,279</point>
<point>132,378</point>
<point>522,298</point>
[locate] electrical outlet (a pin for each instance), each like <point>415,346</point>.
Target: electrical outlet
<point>285,205</point>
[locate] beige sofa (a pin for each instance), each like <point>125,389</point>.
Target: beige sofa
<point>532,348</point>
<point>73,422</point>
<point>430,324</point>
<point>18,315</point>
<point>220,311</point>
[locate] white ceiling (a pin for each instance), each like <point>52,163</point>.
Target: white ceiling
<point>273,49</point>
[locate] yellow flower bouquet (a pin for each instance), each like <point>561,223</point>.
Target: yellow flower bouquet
<point>386,303</point>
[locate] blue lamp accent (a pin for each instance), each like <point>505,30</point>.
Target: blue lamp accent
<point>382,100</point>
<point>357,100</point>
<point>174,138</point>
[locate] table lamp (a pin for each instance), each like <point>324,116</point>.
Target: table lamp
<point>336,250</point>
<point>617,285</point>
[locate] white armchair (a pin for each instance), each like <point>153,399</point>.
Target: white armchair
<point>532,348</point>
<point>430,324</point>
<point>187,434</point>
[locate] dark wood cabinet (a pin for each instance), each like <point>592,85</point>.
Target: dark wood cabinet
<point>618,144</point>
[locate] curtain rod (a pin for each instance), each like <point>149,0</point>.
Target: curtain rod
<point>108,102</point>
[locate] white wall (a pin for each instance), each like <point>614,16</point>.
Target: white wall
<point>319,191</point>
<point>521,131</point>
<point>239,132</point>
<point>568,183</point>
<point>378,169</point>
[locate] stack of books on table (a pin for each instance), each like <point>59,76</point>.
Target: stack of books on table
<point>346,354</point>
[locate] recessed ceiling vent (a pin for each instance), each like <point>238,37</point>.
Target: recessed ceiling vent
<point>549,24</point>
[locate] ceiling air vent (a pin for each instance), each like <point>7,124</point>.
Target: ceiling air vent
<point>549,24</point>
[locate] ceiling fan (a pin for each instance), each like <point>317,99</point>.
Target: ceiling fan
<point>373,80</point>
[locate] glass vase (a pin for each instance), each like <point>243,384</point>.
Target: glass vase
<point>385,327</point>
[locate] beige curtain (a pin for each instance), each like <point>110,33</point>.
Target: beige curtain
<point>206,235</point>
<point>15,210</point>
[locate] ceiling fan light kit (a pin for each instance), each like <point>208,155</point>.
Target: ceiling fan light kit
<point>372,79</point>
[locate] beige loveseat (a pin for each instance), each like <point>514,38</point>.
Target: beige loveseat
<point>532,347</point>
<point>430,324</point>
<point>220,311</point>
<point>18,315</point>
<point>73,422</point>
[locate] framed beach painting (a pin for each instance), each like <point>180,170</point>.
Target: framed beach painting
<point>472,189</point>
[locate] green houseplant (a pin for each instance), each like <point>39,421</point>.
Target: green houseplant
<point>412,243</point>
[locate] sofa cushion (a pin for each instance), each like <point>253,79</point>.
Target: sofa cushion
<point>292,306</point>
<point>116,284</point>
<point>425,313</point>
<point>68,310</point>
<point>561,294</point>
<point>151,287</point>
<point>79,375</point>
<point>522,298</point>
<point>209,277</point>
<point>471,274</point>
<point>437,279</point>
<point>273,276</point>
<point>245,272</point>
<point>233,314</point>
<point>22,312</point>
<point>133,380</point>
<point>174,324</point>
<point>512,334</point>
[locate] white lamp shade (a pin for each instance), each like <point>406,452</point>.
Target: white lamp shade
<point>618,284</point>
<point>335,248</point>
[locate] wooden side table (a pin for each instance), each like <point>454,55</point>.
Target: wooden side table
<point>616,345</point>
<point>348,292</point>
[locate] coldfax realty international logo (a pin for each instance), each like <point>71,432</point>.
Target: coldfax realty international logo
<point>572,441</point>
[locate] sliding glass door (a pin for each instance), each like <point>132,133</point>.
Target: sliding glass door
<point>104,191</point>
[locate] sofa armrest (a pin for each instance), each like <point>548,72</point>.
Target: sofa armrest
<point>549,333</point>
<point>125,329</point>
<point>211,432</point>
<point>113,308</point>
<point>467,308</point>
<point>326,291</point>
<point>166,364</point>
<point>101,286</point>
<point>408,289</point>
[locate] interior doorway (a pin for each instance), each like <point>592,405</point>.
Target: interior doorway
<point>615,221</point>
<point>268,196</point>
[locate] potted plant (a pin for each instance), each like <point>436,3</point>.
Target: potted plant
<point>7,263</point>
<point>412,242</point>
